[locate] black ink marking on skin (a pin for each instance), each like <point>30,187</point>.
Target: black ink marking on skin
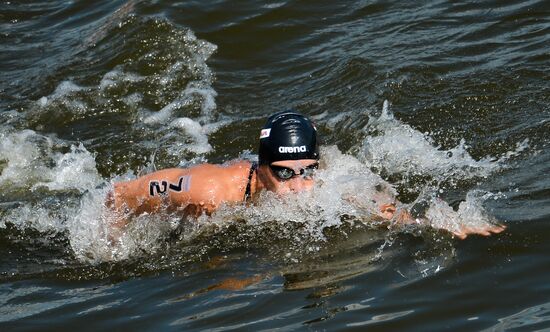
<point>178,187</point>
<point>183,184</point>
<point>154,185</point>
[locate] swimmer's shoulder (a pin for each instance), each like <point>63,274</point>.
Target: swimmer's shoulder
<point>215,184</point>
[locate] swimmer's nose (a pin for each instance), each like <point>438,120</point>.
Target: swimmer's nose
<point>299,184</point>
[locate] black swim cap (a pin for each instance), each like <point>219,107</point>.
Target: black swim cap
<point>288,135</point>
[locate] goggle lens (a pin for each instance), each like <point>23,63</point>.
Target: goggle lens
<point>285,173</point>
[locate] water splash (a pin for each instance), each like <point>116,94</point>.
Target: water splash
<point>470,213</point>
<point>346,191</point>
<point>397,148</point>
<point>32,160</point>
<point>164,84</point>
<point>41,184</point>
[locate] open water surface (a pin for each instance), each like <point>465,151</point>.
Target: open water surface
<point>443,104</point>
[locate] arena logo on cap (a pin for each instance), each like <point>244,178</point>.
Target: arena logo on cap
<point>292,149</point>
<point>265,133</point>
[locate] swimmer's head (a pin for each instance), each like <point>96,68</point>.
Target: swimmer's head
<point>288,135</point>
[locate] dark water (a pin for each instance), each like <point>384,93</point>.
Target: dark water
<point>99,91</point>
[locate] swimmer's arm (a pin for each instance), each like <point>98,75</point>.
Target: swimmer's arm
<point>148,194</point>
<point>193,191</point>
<point>392,212</point>
<point>388,209</point>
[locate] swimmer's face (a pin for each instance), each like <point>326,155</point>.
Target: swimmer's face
<point>289,175</point>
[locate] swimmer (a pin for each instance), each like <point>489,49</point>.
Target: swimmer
<point>288,158</point>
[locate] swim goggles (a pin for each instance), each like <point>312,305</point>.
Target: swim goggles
<point>285,173</point>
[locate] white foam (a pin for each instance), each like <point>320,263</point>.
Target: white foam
<point>199,88</point>
<point>165,114</point>
<point>94,236</point>
<point>398,148</point>
<point>21,151</point>
<point>187,65</point>
<point>29,157</point>
<point>64,89</point>
<point>40,217</point>
<point>133,99</point>
<point>32,163</point>
<point>90,229</point>
<point>332,122</point>
<point>198,134</point>
<point>116,77</point>
<point>73,170</point>
<point>198,91</point>
<point>274,5</point>
<point>188,97</point>
<point>208,104</point>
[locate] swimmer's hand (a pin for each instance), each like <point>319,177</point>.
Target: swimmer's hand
<point>485,230</point>
<point>402,216</point>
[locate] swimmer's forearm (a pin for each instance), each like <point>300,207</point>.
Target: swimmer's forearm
<point>461,231</point>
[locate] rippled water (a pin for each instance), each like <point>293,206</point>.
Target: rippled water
<point>445,105</point>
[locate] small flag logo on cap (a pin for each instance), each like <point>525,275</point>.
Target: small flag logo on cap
<point>265,133</point>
